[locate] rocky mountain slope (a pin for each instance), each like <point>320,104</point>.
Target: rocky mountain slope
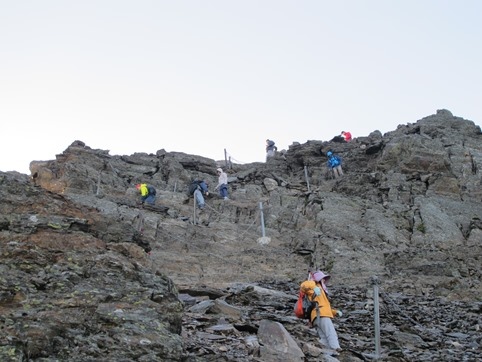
<point>90,274</point>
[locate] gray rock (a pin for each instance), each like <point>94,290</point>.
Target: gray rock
<point>87,273</point>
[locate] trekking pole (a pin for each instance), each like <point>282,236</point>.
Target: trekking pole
<point>306,177</point>
<point>194,210</point>
<point>376,313</point>
<point>140,222</point>
<point>262,219</point>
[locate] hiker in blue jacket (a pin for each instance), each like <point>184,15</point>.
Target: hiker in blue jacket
<point>334,162</point>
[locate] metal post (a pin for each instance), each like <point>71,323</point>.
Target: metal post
<point>376,312</point>
<point>98,185</point>
<point>306,177</point>
<point>262,219</point>
<point>194,210</point>
<point>225,158</point>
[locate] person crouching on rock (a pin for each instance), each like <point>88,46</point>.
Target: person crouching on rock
<point>148,193</point>
<point>322,314</point>
<point>346,135</point>
<point>198,188</point>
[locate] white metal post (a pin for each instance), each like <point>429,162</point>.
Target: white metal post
<point>376,312</point>
<point>306,177</point>
<point>262,219</point>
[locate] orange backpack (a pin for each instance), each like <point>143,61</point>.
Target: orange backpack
<point>303,306</point>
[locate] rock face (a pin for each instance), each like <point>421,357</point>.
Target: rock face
<point>91,274</point>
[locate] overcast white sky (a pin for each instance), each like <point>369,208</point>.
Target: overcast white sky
<point>203,76</point>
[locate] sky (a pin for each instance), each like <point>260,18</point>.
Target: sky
<point>215,76</point>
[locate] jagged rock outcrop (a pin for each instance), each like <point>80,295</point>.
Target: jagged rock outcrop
<point>88,273</point>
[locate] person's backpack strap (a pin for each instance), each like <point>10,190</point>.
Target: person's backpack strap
<point>317,308</point>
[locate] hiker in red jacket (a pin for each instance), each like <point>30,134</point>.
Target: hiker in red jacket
<point>346,136</point>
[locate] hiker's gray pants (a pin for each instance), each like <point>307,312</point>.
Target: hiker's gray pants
<point>337,171</point>
<point>326,332</point>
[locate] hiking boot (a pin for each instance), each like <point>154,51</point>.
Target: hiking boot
<point>330,352</point>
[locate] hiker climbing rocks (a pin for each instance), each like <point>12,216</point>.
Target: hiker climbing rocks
<point>222,184</point>
<point>148,193</point>
<point>322,314</point>
<point>270,149</point>
<point>199,188</point>
<point>346,136</point>
<point>334,163</point>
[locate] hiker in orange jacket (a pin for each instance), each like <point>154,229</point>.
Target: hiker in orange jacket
<point>322,314</point>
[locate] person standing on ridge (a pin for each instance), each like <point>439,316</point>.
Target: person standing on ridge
<point>334,163</point>
<point>148,193</point>
<point>222,184</point>
<point>322,315</point>
<point>270,149</point>
<point>346,136</point>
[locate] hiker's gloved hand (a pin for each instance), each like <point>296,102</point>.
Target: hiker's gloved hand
<point>339,313</point>
<point>317,291</point>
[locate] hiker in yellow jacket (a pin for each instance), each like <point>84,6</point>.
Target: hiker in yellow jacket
<point>148,193</point>
<point>322,314</point>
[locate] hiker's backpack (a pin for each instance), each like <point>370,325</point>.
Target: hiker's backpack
<point>193,187</point>
<point>151,190</point>
<point>304,306</point>
<point>334,161</point>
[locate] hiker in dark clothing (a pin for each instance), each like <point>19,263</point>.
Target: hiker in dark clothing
<point>270,149</point>
<point>198,188</point>
<point>338,139</point>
